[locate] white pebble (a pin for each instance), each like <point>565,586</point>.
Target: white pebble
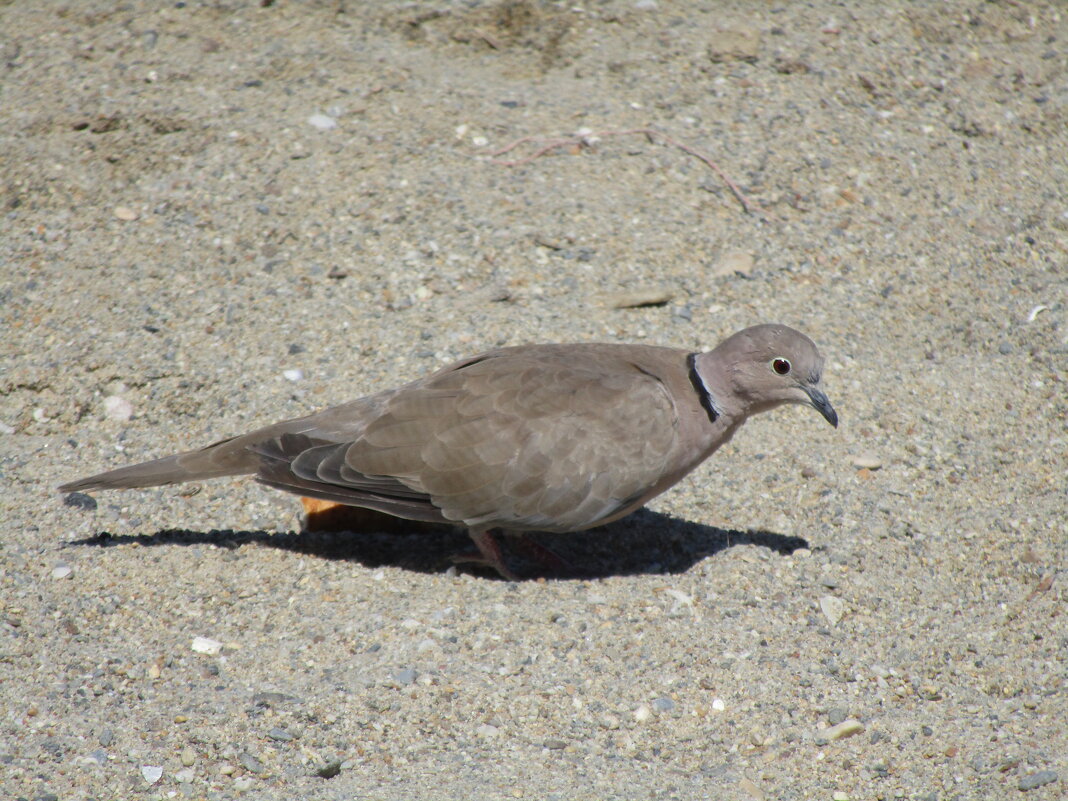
<point>734,262</point>
<point>643,713</point>
<point>718,705</point>
<point>293,375</point>
<point>40,416</point>
<point>487,731</point>
<point>152,773</point>
<point>322,122</point>
<point>833,608</point>
<point>61,571</point>
<point>206,645</point>
<point>117,408</point>
<point>867,460</point>
<point>847,728</point>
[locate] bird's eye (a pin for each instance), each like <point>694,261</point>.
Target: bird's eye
<point>780,366</point>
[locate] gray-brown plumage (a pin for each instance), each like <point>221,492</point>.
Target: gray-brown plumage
<point>537,437</point>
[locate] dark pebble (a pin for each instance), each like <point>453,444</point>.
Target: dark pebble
<point>280,734</point>
<point>330,770</point>
<point>836,715</point>
<point>106,737</point>
<point>250,763</point>
<point>406,676</point>
<point>1034,780</point>
<point>79,500</point>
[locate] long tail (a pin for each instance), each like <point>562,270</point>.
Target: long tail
<point>237,456</point>
<point>229,457</point>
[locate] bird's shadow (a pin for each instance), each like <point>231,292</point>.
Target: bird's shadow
<point>645,542</point>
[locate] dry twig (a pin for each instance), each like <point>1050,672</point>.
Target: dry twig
<point>587,138</point>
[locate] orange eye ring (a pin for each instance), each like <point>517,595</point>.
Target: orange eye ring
<point>781,366</point>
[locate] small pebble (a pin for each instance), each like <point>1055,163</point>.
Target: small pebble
<point>718,704</point>
<point>125,213</point>
<point>1035,780</point>
<point>61,571</point>
<point>188,756</point>
<point>243,784</point>
<point>206,645</point>
<point>867,461</point>
<point>487,731</point>
<point>836,715</point>
<point>643,713</point>
<point>636,298</point>
<point>79,500</point>
<point>250,763</point>
<point>684,312</point>
<point>106,737</point>
<point>555,745</point>
<point>184,776</point>
<point>152,773</point>
<point>117,408</point>
<point>663,704</point>
<point>323,122</point>
<point>734,262</point>
<point>751,789</point>
<point>281,735</point>
<point>840,795</point>
<point>406,676</point>
<point>833,608</point>
<point>329,770</point>
<point>847,728</point>
<point>293,375</point>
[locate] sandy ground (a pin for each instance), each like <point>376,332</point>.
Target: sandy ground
<point>216,215</point>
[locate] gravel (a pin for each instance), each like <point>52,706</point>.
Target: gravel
<point>218,216</point>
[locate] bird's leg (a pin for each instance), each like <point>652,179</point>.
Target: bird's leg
<point>541,554</point>
<point>490,554</point>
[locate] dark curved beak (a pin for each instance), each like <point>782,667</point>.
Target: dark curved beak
<point>822,405</point>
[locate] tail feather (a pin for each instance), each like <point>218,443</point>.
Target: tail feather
<point>229,457</point>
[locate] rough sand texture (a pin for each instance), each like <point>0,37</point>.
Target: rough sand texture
<point>201,199</point>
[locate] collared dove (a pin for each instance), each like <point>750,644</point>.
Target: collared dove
<point>531,438</point>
